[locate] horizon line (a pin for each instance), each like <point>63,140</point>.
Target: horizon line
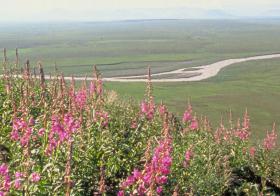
<point>142,19</point>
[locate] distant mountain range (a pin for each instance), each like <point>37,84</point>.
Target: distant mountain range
<point>167,13</point>
<point>154,13</point>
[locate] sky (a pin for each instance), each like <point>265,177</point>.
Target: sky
<point>44,10</point>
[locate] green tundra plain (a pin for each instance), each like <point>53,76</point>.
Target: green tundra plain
<point>251,85</point>
<point>128,47</point>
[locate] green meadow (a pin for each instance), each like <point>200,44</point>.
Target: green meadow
<point>252,85</point>
<point>127,47</point>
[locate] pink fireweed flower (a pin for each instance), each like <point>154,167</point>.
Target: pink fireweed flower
<point>218,135</point>
<point>25,139</point>
<point>18,180</point>
<point>120,193</point>
<point>147,178</point>
<point>22,131</point>
<point>162,110</point>
<point>6,184</point>
<point>5,181</point>
<point>18,174</point>
<point>15,135</point>
<point>35,177</point>
<point>187,117</point>
<point>133,124</point>
<point>81,99</point>
<point>102,118</point>
<point>61,131</point>
<point>252,152</point>
<point>57,130</point>
<point>141,190</point>
<point>155,173</point>
<point>148,109</point>
<point>31,122</point>
<point>194,124</point>
<point>92,88</point>
<point>19,124</point>
<point>96,88</point>
<point>17,184</point>
<point>242,134</point>
<point>137,174</point>
<point>144,107</point>
<point>188,157</point>
<point>41,132</point>
<point>70,124</point>
<point>269,141</point>
<point>129,181</point>
<point>222,134</point>
<point>4,169</point>
<point>161,179</point>
<point>159,190</point>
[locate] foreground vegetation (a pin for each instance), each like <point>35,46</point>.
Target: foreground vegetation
<point>57,139</point>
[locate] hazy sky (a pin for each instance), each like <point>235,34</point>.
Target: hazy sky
<point>24,10</point>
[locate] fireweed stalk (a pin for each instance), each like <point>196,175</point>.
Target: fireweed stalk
<point>147,106</point>
<point>222,134</point>
<point>67,177</point>
<point>22,132</point>
<point>148,109</point>
<point>5,179</point>
<point>61,131</point>
<point>188,156</point>
<point>269,142</point>
<point>243,132</point>
<point>96,87</point>
<point>25,133</point>
<point>80,99</point>
<point>152,178</point>
<point>162,110</point>
<point>189,119</point>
